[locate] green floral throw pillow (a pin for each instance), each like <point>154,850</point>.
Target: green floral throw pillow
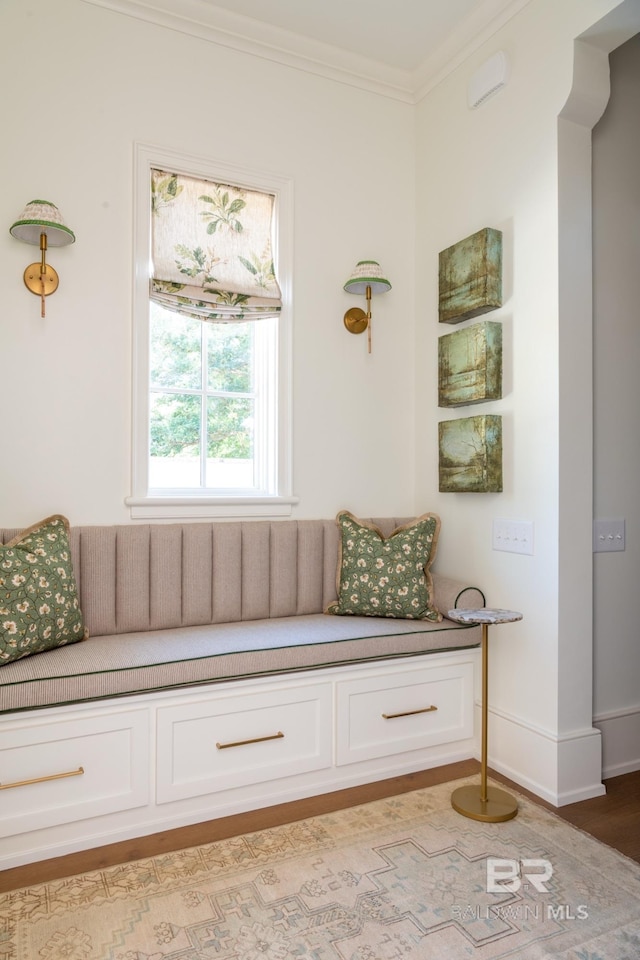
<point>382,576</point>
<point>39,606</point>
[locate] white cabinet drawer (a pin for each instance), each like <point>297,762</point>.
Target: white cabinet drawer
<point>393,713</point>
<point>231,741</point>
<point>61,771</point>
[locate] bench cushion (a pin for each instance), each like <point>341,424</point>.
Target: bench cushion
<point>111,666</point>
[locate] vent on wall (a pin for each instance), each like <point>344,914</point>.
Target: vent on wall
<point>487,80</point>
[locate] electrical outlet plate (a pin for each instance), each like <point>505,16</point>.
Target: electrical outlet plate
<point>608,535</point>
<point>513,536</point>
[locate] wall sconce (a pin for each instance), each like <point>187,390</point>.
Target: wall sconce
<point>41,223</point>
<point>367,278</point>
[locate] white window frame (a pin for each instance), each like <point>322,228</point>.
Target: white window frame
<point>144,503</point>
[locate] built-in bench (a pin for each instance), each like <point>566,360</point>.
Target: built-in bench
<point>203,636</point>
<point>172,605</point>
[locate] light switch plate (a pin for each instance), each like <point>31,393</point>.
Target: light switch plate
<point>608,535</point>
<point>513,536</point>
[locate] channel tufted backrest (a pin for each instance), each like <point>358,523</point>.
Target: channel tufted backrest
<point>157,576</point>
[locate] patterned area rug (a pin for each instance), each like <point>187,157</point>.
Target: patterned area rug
<point>405,877</point>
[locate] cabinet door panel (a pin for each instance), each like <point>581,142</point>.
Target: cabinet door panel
<point>390,714</point>
<point>226,742</point>
<point>63,771</point>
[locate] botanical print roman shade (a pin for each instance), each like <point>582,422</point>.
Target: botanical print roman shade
<point>211,249</point>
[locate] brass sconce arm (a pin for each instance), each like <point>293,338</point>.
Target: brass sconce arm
<point>357,321</point>
<point>367,278</point>
<point>41,278</point>
<point>41,222</point>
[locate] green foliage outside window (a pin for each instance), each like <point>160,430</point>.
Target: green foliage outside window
<point>213,361</point>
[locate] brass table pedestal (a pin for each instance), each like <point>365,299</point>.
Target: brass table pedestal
<point>480,801</point>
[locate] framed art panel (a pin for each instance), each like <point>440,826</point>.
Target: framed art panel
<point>470,365</point>
<point>470,455</point>
<point>470,276</point>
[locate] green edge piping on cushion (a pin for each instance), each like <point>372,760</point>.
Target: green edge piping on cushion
<point>281,646</point>
<point>244,676</point>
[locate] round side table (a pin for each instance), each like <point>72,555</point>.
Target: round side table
<point>482,802</point>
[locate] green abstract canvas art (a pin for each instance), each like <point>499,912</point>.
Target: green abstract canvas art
<point>470,455</point>
<point>470,276</point>
<point>470,365</point>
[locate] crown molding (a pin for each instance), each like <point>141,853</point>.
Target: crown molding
<point>201,19</point>
<point>469,35</point>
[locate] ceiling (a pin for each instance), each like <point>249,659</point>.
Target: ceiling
<point>399,33</point>
<point>400,48</point>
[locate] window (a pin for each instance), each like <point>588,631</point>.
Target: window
<point>211,432</point>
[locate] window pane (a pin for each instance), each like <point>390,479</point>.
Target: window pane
<point>175,349</point>
<point>175,441</point>
<point>230,346</point>
<point>230,442</point>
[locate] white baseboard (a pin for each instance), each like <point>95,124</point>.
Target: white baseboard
<point>620,741</point>
<point>559,768</point>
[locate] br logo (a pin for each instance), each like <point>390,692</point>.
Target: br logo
<point>511,874</point>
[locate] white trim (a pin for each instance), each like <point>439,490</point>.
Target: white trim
<point>261,39</point>
<point>620,740</point>
<point>143,502</point>
<point>617,714</point>
<point>539,731</point>
<point>559,767</point>
<point>474,31</point>
<point>190,508</point>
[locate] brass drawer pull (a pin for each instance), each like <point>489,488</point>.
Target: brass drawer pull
<point>409,713</point>
<point>53,776</point>
<point>243,743</point>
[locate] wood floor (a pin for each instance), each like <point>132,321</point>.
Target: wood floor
<point>614,819</point>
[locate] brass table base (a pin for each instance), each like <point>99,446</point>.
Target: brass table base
<point>498,806</point>
<point>480,801</point>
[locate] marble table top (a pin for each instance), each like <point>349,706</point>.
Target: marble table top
<point>484,615</point>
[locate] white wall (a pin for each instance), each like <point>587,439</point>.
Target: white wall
<point>616,233</point>
<point>511,164</point>
<point>86,83</point>
<point>373,177</point>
